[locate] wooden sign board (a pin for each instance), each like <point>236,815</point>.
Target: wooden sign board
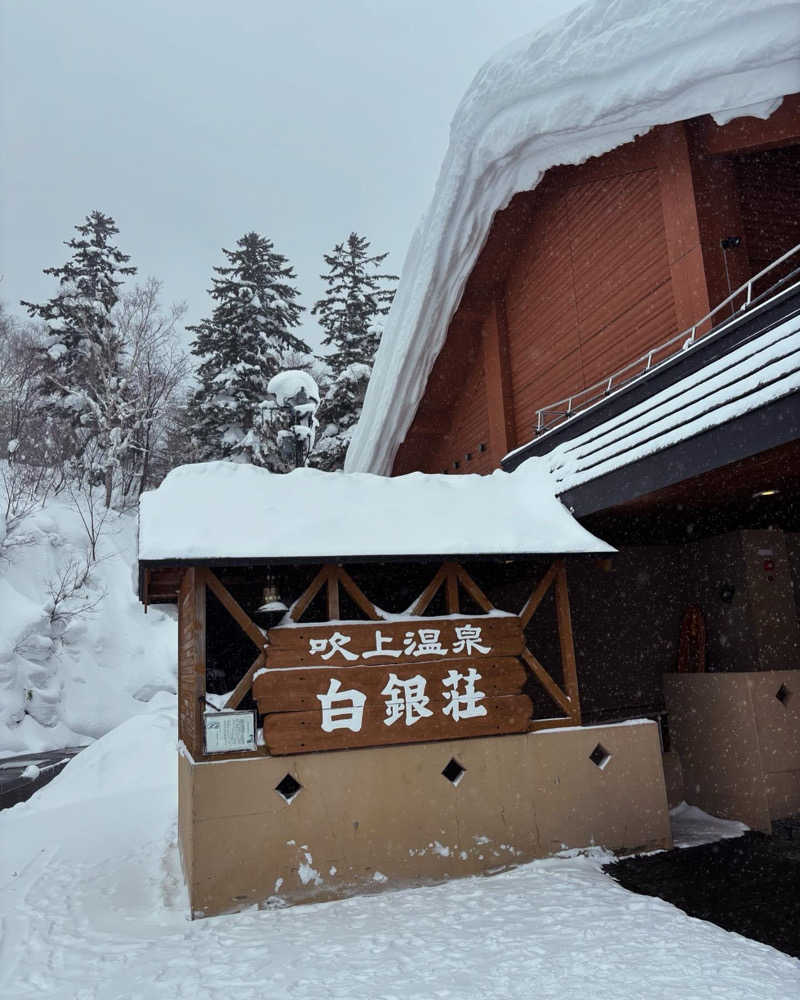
<point>333,708</point>
<point>300,732</point>
<point>399,642</point>
<point>296,690</point>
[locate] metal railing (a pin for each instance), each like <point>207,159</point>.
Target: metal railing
<point>555,413</point>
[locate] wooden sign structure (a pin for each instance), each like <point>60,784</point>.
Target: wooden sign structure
<point>404,681</point>
<point>387,680</point>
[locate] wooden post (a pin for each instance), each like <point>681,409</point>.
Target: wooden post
<point>568,664</point>
<point>333,593</point>
<point>358,595</point>
<point>473,589</point>
<point>191,659</point>
<point>537,596</point>
<point>299,607</point>
<point>420,605</point>
<point>232,606</point>
<point>681,226</point>
<point>238,694</point>
<point>453,607</point>
<point>498,381</point>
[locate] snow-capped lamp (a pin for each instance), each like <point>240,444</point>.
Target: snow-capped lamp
<point>272,608</point>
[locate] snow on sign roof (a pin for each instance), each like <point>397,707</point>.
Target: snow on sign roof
<point>598,77</point>
<point>224,510</point>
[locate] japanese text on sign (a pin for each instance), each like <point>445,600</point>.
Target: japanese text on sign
<point>405,700</point>
<point>422,642</point>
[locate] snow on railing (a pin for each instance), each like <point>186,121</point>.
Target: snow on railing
<point>555,413</point>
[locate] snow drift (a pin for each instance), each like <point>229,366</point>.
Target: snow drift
<point>68,677</point>
<point>596,78</point>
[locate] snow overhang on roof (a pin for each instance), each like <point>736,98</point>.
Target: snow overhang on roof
<point>591,81</point>
<point>223,510</point>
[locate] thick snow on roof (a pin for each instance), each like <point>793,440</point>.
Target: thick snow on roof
<point>764,369</point>
<point>596,78</point>
<point>224,510</point>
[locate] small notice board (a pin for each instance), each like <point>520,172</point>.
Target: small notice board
<point>228,730</point>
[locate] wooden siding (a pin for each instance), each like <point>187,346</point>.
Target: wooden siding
<point>591,290</point>
<point>769,199</point>
<point>468,429</point>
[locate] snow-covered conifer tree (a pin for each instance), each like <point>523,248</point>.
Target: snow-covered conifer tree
<point>241,347</point>
<point>83,381</point>
<point>357,295</point>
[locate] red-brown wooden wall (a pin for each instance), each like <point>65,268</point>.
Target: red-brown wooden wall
<point>596,266</point>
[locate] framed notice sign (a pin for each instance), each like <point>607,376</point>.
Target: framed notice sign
<point>228,730</point>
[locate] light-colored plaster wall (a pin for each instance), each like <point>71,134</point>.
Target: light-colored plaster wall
<point>374,818</point>
<point>186,815</point>
<point>673,778</point>
<point>739,745</point>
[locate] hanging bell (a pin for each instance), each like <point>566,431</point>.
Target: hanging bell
<point>272,608</point>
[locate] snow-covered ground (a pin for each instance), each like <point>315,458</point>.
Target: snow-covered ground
<point>67,678</point>
<point>93,908</point>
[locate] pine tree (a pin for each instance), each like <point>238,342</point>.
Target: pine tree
<point>241,347</point>
<point>82,378</point>
<point>357,295</point>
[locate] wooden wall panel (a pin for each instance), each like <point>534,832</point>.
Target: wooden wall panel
<point>678,185</point>
<point>619,252</point>
<point>769,204</point>
<point>468,429</point>
<point>590,291</point>
<point>543,335</point>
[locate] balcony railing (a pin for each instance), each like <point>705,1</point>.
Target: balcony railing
<point>556,413</point>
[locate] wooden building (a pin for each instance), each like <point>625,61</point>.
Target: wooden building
<point>633,322</point>
<point>621,330</point>
<point>596,267</point>
<point>372,695</point>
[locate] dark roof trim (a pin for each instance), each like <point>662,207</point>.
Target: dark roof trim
<point>713,346</point>
<point>767,427</point>
<point>145,564</point>
<point>345,560</point>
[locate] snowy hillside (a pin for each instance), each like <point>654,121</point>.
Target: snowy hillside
<point>72,672</point>
<point>100,912</point>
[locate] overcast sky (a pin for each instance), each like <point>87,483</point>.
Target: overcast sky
<point>192,122</point>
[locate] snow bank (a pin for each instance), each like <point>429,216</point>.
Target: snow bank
<point>66,681</point>
<point>692,827</point>
<point>92,906</point>
<point>597,78</point>
<point>219,510</point>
